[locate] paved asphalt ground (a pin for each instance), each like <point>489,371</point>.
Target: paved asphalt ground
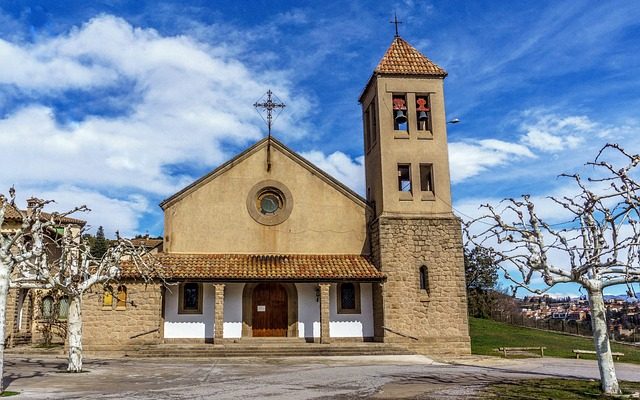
<point>378,377</point>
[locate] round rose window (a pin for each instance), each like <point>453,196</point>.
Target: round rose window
<point>269,202</point>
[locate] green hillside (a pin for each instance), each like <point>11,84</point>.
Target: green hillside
<point>487,335</point>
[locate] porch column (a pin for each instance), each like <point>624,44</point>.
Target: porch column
<point>218,312</point>
<point>324,312</point>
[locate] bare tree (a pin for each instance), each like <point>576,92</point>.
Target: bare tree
<point>21,242</point>
<point>76,270</point>
<point>597,249</point>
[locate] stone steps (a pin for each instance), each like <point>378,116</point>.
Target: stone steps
<point>22,339</point>
<point>268,350</point>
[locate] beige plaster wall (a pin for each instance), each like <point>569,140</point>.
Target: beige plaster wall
<point>214,216</point>
<point>410,147</point>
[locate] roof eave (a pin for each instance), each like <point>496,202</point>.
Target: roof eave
<point>398,74</point>
<point>292,154</point>
<point>275,279</point>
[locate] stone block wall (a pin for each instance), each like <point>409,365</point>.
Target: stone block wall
<point>436,317</point>
<point>10,316</point>
<point>140,322</point>
<point>18,331</point>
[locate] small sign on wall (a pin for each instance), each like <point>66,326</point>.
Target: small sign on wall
<point>262,308</point>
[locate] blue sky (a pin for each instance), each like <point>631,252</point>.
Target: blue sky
<point>119,104</point>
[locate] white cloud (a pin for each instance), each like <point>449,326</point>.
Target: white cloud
<point>37,69</point>
<point>190,103</point>
<point>542,133</point>
<point>470,159</point>
<point>342,167</point>
<point>506,147</point>
<point>183,100</point>
<point>114,214</point>
<point>553,133</point>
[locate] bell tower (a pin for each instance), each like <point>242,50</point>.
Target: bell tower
<point>416,240</point>
<point>405,135</point>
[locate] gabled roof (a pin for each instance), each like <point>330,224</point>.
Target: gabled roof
<point>244,267</point>
<point>11,214</point>
<point>275,144</point>
<point>402,58</point>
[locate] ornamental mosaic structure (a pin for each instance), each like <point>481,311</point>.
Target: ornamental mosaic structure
<point>269,245</point>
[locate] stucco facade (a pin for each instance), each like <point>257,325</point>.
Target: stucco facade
<point>321,210</point>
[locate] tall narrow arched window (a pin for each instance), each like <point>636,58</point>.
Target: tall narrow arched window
<point>424,278</point>
<point>399,112</point>
<point>107,298</point>
<point>47,307</point>
<point>63,308</point>
<point>122,298</point>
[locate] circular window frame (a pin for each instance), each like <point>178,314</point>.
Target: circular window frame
<point>260,190</point>
<point>269,197</point>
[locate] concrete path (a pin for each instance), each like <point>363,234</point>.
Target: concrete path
<point>376,377</point>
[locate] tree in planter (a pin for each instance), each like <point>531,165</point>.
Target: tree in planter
<point>21,243</point>
<point>77,270</point>
<point>481,274</point>
<point>599,250</point>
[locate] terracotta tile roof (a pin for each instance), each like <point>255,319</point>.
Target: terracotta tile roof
<point>146,242</point>
<point>292,267</point>
<point>402,58</point>
<point>11,214</point>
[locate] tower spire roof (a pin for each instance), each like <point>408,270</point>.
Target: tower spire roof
<point>402,58</point>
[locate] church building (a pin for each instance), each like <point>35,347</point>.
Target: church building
<point>269,245</point>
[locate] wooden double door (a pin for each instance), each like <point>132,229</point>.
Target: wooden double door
<point>270,310</point>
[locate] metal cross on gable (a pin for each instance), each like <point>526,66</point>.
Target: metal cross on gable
<point>269,105</point>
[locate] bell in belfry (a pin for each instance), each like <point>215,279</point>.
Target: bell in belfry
<point>399,107</point>
<point>422,116</point>
<point>400,117</point>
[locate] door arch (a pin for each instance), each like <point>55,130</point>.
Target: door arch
<point>254,295</point>
<point>269,310</point>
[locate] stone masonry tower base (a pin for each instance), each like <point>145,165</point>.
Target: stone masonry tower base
<point>431,320</point>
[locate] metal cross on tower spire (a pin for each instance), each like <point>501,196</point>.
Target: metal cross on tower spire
<point>396,22</point>
<point>269,105</point>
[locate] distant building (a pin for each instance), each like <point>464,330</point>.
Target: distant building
<point>152,245</point>
<point>26,307</point>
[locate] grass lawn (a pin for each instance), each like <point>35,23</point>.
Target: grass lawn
<point>556,389</point>
<point>487,335</point>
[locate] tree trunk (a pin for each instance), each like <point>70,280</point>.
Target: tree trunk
<point>4,294</point>
<point>608,379</point>
<point>74,333</point>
